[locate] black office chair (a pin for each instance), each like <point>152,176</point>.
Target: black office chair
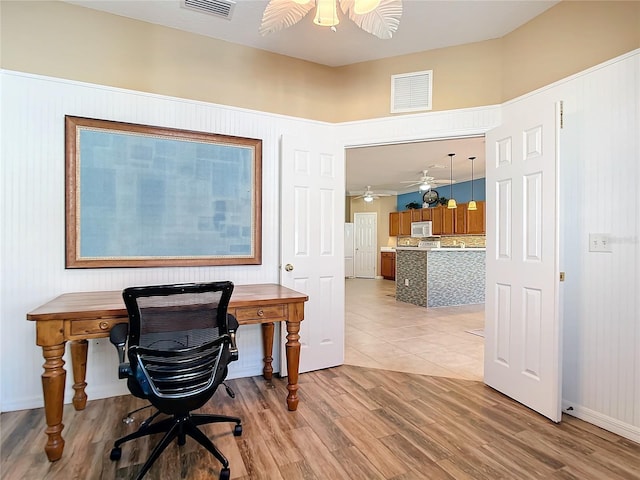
<point>180,341</point>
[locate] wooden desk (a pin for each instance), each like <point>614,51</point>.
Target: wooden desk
<point>76,317</point>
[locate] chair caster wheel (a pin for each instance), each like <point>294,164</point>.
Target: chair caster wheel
<point>116,453</point>
<point>237,431</point>
<point>225,474</point>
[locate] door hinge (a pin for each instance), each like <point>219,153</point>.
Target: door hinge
<point>561,114</point>
<point>562,276</point>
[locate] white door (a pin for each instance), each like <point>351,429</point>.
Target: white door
<point>366,234</point>
<point>312,242</point>
<point>522,326</point>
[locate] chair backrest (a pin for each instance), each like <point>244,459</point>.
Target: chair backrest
<point>178,341</point>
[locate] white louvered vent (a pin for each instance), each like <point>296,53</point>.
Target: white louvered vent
<point>411,92</point>
<point>219,8</point>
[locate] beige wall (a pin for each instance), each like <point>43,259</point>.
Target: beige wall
<point>62,40</point>
<point>566,39</point>
<point>382,206</point>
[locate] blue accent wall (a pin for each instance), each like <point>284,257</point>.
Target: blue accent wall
<point>461,192</point>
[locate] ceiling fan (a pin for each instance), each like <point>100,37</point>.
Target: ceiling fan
<point>426,182</point>
<point>377,17</point>
<point>369,195</point>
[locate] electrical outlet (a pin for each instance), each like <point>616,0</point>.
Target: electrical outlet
<point>406,282</point>
<point>599,242</point>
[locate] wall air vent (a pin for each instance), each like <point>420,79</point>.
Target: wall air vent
<point>219,8</point>
<point>411,92</point>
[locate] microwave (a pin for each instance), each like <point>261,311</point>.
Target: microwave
<point>421,229</point>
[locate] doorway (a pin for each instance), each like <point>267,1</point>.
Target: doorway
<point>383,333</point>
<point>366,245</point>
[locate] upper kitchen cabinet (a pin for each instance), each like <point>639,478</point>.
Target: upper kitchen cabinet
<point>406,217</point>
<point>460,227</point>
<point>476,218</point>
<point>443,220</point>
<point>400,223</point>
<point>394,224</point>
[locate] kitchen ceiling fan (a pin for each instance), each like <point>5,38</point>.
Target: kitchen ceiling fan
<point>369,195</point>
<point>427,182</point>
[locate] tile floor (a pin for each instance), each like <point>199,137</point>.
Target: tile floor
<point>383,333</point>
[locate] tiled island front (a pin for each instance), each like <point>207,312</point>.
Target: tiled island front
<point>440,277</point>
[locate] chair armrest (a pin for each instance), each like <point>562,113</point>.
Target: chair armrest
<point>232,324</point>
<point>118,336</point>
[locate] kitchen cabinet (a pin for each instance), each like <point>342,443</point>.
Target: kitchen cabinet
<point>394,224</point>
<point>443,220</point>
<point>437,225</point>
<point>388,265</point>
<point>460,226</point>
<point>458,221</point>
<point>448,220</point>
<point>476,218</point>
<point>405,222</point>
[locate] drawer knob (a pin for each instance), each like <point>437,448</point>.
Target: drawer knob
<point>260,313</point>
<point>104,325</point>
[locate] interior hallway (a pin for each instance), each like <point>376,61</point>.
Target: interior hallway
<point>383,333</point>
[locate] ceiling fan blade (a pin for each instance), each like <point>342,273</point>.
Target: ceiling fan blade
<point>281,14</point>
<point>382,22</point>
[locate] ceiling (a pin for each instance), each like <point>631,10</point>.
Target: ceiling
<point>425,25</point>
<point>385,167</point>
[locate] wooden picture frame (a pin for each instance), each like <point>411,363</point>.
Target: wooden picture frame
<point>146,196</point>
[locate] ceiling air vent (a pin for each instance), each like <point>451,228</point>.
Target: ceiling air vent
<point>411,92</point>
<point>219,8</point>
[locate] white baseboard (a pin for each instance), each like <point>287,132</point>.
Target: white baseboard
<point>603,421</point>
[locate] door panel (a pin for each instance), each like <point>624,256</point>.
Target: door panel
<point>522,342</point>
<point>366,235</point>
<point>312,242</point>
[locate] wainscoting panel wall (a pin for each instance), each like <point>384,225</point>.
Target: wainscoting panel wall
<point>599,178</point>
<point>33,219</point>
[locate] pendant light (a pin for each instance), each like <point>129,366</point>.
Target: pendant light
<point>452,201</point>
<point>472,204</point>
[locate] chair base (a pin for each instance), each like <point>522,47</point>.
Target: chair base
<point>178,427</point>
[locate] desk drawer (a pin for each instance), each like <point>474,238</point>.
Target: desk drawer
<point>97,327</point>
<point>267,313</point>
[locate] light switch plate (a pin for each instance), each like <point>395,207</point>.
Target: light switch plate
<point>599,242</point>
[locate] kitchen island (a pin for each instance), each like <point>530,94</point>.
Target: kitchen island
<point>440,277</point>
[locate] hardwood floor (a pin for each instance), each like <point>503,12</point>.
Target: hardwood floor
<point>406,406</point>
<point>352,423</point>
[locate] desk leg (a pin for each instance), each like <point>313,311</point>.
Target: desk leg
<point>53,380</point>
<point>79,363</point>
<point>267,346</point>
<point>293,362</point>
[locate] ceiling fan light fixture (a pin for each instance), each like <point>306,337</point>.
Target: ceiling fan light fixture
<point>380,19</point>
<point>424,187</point>
<point>368,198</point>
<point>365,6</point>
<point>326,13</point>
